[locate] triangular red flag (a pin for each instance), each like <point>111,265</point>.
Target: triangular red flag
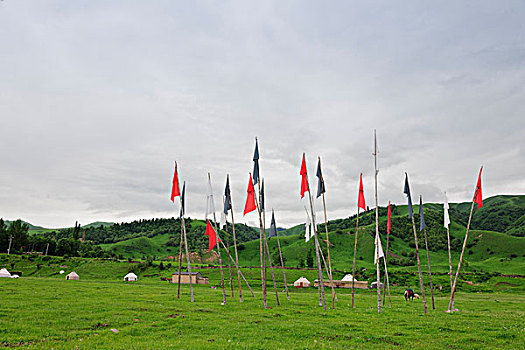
<point>210,232</point>
<point>175,188</point>
<point>304,178</point>
<point>478,197</point>
<point>250,199</point>
<point>361,198</point>
<point>388,223</point>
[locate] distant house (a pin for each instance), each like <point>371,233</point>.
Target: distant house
<point>196,278</point>
<point>72,276</point>
<point>130,277</point>
<point>302,283</point>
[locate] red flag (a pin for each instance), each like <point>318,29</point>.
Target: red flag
<point>478,198</point>
<point>250,199</point>
<point>210,232</point>
<point>304,178</point>
<point>361,199</point>
<point>389,224</point>
<point>175,188</point>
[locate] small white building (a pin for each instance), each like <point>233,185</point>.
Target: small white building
<point>302,283</point>
<point>72,276</point>
<point>4,273</point>
<point>130,277</point>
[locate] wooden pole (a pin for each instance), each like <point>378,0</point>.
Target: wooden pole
<point>180,260</point>
<point>187,253</point>
<point>334,297</point>
<point>386,282</point>
<point>219,252</point>
<point>263,264</point>
<point>449,256</point>
<point>377,228</point>
<point>355,252</point>
<point>428,261</point>
<point>267,249</point>
<point>282,264</point>
<point>238,269</point>
<point>322,302</point>
<point>452,292</point>
<point>419,266</point>
<point>229,263</point>
<point>235,246</point>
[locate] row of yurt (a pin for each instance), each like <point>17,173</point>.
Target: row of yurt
<point>130,277</point>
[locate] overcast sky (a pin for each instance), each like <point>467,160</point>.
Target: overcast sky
<point>98,99</point>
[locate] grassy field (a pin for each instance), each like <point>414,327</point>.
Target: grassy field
<point>47,313</point>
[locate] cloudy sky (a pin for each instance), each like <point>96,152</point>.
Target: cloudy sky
<point>98,99</point>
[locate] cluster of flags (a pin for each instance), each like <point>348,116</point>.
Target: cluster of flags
<point>252,204</point>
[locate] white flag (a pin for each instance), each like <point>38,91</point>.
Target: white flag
<point>446,220</point>
<point>210,207</point>
<point>307,227</point>
<point>378,253</point>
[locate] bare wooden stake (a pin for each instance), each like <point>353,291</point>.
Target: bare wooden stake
<point>428,261</point>
<point>453,291</point>
<point>377,229</point>
<point>334,297</point>
<point>355,252</point>
<point>235,246</point>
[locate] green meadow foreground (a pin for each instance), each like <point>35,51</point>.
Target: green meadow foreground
<point>51,313</point>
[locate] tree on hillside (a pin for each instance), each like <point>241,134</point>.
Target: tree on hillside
<point>18,230</point>
<point>4,238</point>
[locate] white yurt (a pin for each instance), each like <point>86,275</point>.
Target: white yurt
<point>348,278</point>
<point>130,277</point>
<point>302,283</point>
<point>72,276</point>
<point>4,273</point>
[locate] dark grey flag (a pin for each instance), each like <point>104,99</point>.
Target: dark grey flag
<point>182,200</point>
<point>422,222</point>
<point>273,227</point>
<point>407,192</point>
<point>256,163</point>
<point>227,196</point>
<point>320,181</point>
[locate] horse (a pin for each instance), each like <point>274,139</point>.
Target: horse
<point>409,294</point>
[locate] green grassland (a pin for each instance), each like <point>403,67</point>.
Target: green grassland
<point>51,313</point>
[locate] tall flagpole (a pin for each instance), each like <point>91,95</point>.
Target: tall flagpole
<point>453,291</point>
<point>447,224</point>
<point>355,252</point>
<point>334,297</point>
<point>180,259</point>
<point>428,256</point>
<point>229,263</point>
<point>218,248</point>
<point>317,247</point>
<point>377,229</point>
<point>262,209</point>
<point>237,266</point>
<point>282,261</point>
<point>386,282</point>
<point>235,243</point>
<point>186,242</point>
<point>417,246</point>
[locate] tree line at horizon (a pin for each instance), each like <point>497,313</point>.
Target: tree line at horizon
<point>505,214</point>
